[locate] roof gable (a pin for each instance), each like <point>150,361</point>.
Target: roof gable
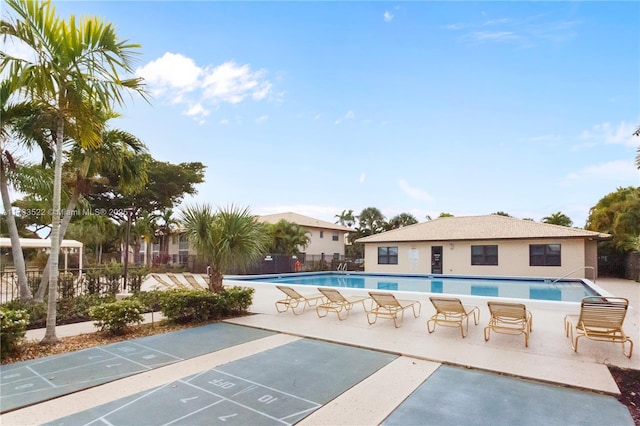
<point>306,221</point>
<point>488,227</point>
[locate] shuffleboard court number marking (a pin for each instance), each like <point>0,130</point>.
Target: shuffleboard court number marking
<point>267,399</point>
<point>224,418</point>
<point>221,383</point>
<point>25,386</point>
<point>183,400</point>
<point>11,376</point>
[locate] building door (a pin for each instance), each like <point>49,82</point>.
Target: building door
<point>436,259</point>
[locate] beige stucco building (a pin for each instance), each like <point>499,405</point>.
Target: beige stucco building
<point>485,245</point>
<point>326,239</point>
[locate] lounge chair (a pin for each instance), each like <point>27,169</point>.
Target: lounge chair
<point>336,302</point>
<point>509,318</point>
<point>450,312</point>
<point>600,319</point>
<point>294,299</point>
<point>387,306</point>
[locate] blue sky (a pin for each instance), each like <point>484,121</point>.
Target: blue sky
<point>420,107</point>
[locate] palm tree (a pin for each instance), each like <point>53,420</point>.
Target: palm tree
<point>77,64</point>
<point>401,220</point>
<point>289,237</point>
<point>120,153</point>
<point>346,218</point>
<point>371,221</point>
<point>168,224</point>
<point>637,133</point>
<point>13,116</point>
<point>231,239</point>
<point>558,219</point>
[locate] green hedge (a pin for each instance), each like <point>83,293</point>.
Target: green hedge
<point>13,327</point>
<point>201,305</point>
<point>116,316</point>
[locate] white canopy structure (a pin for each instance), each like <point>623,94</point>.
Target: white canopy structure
<point>66,247</point>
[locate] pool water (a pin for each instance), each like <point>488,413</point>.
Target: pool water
<point>570,290</point>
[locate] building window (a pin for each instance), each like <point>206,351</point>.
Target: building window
<point>544,255</point>
<point>484,255</point>
<point>336,256</point>
<point>321,234</point>
<point>336,237</point>
<point>387,255</point>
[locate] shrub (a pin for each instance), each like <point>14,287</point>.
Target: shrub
<point>237,300</point>
<point>136,277</point>
<point>13,327</point>
<point>116,316</point>
<point>93,281</point>
<point>66,287</point>
<point>37,311</point>
<point>202,305</point>
<point>113,274</point>
<point>189,305</point>
<point>150,299</point>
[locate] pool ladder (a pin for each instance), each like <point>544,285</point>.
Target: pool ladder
<point>575,270</point>
<point>342,267</point>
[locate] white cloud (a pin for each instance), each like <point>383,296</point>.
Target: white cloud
<point>224,121</point>
<point>362,177</point>
<point>606,132</point>
<point>172,71</point>
<point>316,117</point>
<point>350,115</point>
<point>388,16</point>
<point>262,119</point>
<point>414,193</point>
<point>617,171</point>
<point>492,36</point>
<point>180,80</point>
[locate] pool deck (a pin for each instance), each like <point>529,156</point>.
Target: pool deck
<point>548,359</point>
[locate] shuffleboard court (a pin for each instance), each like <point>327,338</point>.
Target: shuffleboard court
<point>459,396</point>
<point>277,386</point>
<point>29,382</point>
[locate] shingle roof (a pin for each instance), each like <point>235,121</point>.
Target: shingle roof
<point>489,227</point>
<point>301,220</point>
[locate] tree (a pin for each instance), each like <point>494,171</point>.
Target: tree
<point>370,221</point>
<point>401,220</point>
<point>288,237</point>
<point>558,218</point>
<point>164,229</point>
<point>166,187</point>
<point>78,63</point>
<point>14,115</point>
<point>229,240</point>
<point>637,133</point>
<point>501,213</point>
<point>618,214</point>
<point>120,155</point>
<point>346,218</point>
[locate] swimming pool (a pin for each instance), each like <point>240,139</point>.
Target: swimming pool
<point>566,290</point>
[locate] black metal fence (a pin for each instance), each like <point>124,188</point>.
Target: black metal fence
<point>72,282</point>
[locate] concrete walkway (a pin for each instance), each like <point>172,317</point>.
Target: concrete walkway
<point>548,359</point>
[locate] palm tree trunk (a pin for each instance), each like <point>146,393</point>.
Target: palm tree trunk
<point>50,332</point>
<point>16,249</point>
<point>44,281</point>
<point>215,281</point>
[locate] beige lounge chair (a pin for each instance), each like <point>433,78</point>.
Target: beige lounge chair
<point>509,318</point>
<point>294,299</point>
<point>600,319</point>
<point>450,312</point>
<point>336,302</point>
<point>387,306</point>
